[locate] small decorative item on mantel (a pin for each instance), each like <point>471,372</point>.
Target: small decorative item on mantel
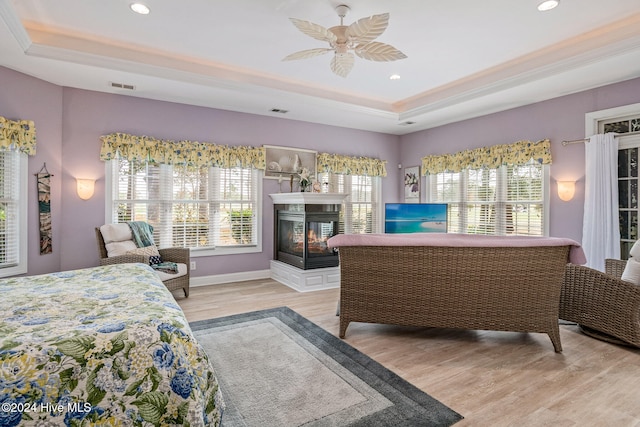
<point>305,180</point>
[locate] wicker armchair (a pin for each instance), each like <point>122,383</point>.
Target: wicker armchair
<point>177,255</point>
<point>604,306</point>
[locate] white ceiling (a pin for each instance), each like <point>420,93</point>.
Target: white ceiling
<point>465,58</point>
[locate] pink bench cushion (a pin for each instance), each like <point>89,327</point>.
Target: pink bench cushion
<point>576,254</point>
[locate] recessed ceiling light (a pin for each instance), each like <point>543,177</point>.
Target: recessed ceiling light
<point>548,5</point>
<point>140,8</point>
<point>394,77</point>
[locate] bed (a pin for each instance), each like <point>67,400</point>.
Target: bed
<point>105,345</point>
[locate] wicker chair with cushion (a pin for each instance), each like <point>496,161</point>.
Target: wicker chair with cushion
<point>604,306</point>
<point>124,254</point>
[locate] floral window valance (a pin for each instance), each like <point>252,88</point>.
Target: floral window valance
<point>346,165</point>
<point>518,153</point>
<point>145,148</point>
<point>18,135</point>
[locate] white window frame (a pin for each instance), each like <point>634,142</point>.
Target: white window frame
<point>501,190</point>
<point>332,187</point>
<point>21,219</point>
<point>593,120</point>
<point>198,252</point>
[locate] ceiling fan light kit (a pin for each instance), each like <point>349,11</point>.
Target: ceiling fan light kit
<point>348,41</point>
<point>140,8</point>
<point>548,5</point>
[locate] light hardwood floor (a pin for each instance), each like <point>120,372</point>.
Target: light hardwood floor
<point>491,378</point>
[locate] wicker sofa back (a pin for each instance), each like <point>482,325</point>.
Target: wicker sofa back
<point>493,288</point>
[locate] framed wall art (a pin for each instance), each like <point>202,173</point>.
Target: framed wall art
<point>283,162</point>
<point>412,184</point>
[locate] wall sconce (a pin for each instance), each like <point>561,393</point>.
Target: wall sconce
<point>85,188</point>
<point>566,190</point>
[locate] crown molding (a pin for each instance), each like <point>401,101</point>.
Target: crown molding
<point>12,20</point>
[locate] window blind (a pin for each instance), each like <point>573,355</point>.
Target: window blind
<point>11,214</point>
<point>188,206</point>
<point>360,211</point>
<point>508,200</point>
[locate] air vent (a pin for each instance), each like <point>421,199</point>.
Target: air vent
<point>408,123</point>
<point>122,86</point>
<point>279,111</point>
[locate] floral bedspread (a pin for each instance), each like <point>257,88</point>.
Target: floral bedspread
<point>101,346</point>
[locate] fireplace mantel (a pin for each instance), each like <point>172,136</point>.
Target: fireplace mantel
<point>301,198</point>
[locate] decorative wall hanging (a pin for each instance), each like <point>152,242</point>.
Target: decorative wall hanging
<point>44,208</point>
<point>412,184</point>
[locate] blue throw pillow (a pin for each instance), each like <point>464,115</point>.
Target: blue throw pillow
<point>155,259</point>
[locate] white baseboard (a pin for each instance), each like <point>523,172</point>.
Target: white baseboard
<point>305,280</point>
<point>295,278</point>
<point>219,279</point>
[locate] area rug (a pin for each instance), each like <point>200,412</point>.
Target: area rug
<point>276,368</point>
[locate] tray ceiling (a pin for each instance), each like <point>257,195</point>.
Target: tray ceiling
<point>464,59</point>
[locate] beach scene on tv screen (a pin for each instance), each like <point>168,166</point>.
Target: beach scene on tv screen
<point>415,218</point>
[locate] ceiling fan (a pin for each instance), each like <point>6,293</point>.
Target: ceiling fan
<point>346,40</point>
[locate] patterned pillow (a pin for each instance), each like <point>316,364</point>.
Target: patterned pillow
<point>150,251</point>
<point>147,250</point>
<point>155,259</point>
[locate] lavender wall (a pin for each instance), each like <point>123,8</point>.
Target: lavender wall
<point>23,97</point>
<point>69,123</point>
<point>87,115</point>
<point>558,119</point>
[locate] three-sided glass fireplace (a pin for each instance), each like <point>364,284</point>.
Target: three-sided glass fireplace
<point>301,234</point>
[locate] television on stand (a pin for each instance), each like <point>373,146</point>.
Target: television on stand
<point>415,218</point>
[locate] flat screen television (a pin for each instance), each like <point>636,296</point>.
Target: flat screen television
<point>415,218</point>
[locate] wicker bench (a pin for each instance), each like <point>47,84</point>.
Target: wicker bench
<point>493,288</point>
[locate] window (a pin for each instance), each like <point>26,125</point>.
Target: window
<point>628,198</point>
<point>625,122</point>
<point>360,211</point>
<point>13,213</point>
<point>210,210</point>
<point>626,125</point>
<point>509,200</point>
<point>628,130</point>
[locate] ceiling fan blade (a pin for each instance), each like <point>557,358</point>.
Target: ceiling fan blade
<point>316,31</point>
<point>342,63</point>
<point>306,54</point>
<point>376,51</point>
<point>367,29</point>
